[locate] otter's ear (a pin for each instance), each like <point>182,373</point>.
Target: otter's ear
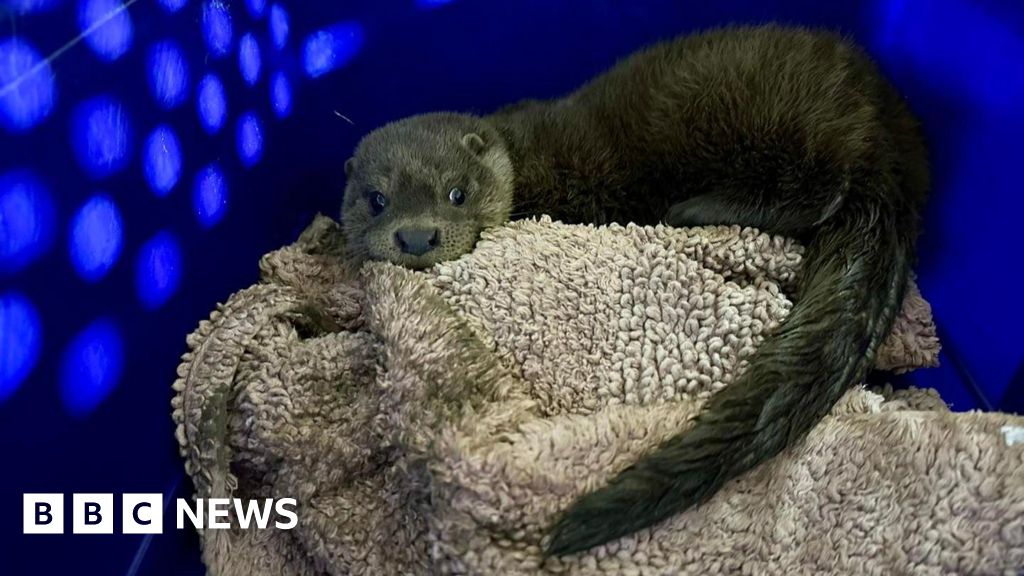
<point>350,165</point>
<point>474,143</point>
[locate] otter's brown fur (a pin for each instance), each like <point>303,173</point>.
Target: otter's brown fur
<point>789,130</point>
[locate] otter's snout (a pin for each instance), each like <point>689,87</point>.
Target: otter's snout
<point>417,241</point>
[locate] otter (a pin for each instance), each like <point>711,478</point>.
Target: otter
<point>789,130</point>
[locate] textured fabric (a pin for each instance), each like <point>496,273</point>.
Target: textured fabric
<point>437,421</point>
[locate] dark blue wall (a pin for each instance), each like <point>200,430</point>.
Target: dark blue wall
<point>147,160</point>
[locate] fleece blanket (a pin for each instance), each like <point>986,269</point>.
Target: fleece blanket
<point>436,422</point>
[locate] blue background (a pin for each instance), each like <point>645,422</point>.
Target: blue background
<point>151,151</point>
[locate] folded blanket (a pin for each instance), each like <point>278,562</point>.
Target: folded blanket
<point>438,421</point>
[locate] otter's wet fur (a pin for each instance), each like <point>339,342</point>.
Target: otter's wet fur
<point>789,130</point>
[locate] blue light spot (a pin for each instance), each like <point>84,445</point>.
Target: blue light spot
<point>982,69</point>
<point>249,59</point>
<point>20,341</point>
<point>106,27</point>
<point>95,242</point>
<point>158,270</point>
<point>22,7</point>
<point>212,105</point>
<point>331,48</point>
<point>162,162</point>
<point>217,27</point>
<point>20,338</point>
<point>250,139</point>
<point>431,3</point>
<point>26,220</point>
<point>91,367</point>
<point>168,74</point>
<point>278,26</point>
<point>101,134</point>
<point>26,86</point>
<point>210,196</point>
<point>256,7</point>
<point>281,95</point>
<point>173,5</point>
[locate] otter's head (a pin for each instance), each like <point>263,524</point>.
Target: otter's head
<point>420,190</point>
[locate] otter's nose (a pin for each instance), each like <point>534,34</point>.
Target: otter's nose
<point>417,241</point>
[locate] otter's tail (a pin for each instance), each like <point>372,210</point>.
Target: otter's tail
<point>854,275</point>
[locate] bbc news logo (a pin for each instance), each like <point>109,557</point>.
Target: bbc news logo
<point>143,513</point>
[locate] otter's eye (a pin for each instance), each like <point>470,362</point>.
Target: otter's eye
<point>378,202</point>
<point>457,196</point>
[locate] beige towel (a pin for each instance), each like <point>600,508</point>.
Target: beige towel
<point>436,422</point>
